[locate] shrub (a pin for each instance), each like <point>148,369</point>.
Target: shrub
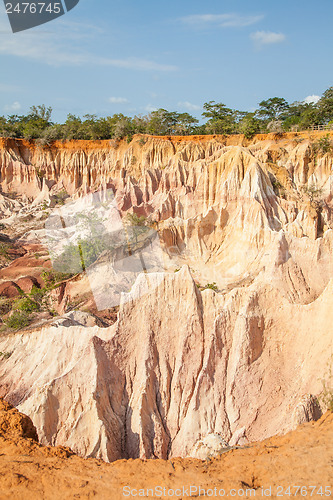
<point>278,188</point>
<point>18,320</point>
<point>61,197</point>
<point>211,286</point>
<point>52,278</point>
<point>312,192</point>
<point>5,355</point>
<point>275,127</point>
<point>38,295</point>
<point>26,305</point>
<point>276,185</point>
<point>326,396</point>
<point>323,145</point>
<point>51,134</point>
<point>135,220</point>
<point>5,306</point>
<point>250,126</point>
<point>4,251</point>
<point>39,173</point>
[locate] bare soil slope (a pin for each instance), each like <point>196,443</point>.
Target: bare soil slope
<point>31,471</point>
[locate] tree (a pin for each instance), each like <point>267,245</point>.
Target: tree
<point>325,105</point>
<point>162,122</point>
<point>72,127</point>
<point>94,128</point>
<point>221,120</point>
<point>122,126</point>
<point>185,124</point>
<point>216,111</point>
<point>300,116</point>
<point>272,109</point>
<point>42,112</point>
<point>250,125</point>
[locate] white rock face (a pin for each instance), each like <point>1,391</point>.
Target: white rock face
<point>210,446</point>
<point>152,383</point>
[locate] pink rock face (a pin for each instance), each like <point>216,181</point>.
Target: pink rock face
<point>178,365</point>
<point>183,362</point>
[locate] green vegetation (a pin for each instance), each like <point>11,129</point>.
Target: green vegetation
<point>37,300</point>
<point>323,145</point>
<point>278,188</point>
<point>274,114</point>
<point>250,125</point>
<point>53,278</point>
<point>5,306</point>
<point>5,355</point>
<point>4,247</point>
<point>135,220</point>
<point>61,197</point>
<point>76,257</point>
<point>18,320</point>
<point>326,396</point>
<point>27,305</point>
<point>211,286</point>
<point>312,192</point>
<point>95,240</point>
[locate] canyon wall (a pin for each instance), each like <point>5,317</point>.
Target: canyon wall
<point>254,219</point>
<point>178,365</point>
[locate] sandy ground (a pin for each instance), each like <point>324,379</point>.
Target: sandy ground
<point>301,458</point>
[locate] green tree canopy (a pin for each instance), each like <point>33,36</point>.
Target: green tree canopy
<point>325,105</point>
<point>221,120</point>
<point>272,109</point>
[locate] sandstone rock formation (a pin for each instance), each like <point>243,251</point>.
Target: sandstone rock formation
<point>153,384</point>
<point>181,362</point>
<point>214,203</point>
<point>210,446</point>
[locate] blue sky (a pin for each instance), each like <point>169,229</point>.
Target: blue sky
<point>114,56</point>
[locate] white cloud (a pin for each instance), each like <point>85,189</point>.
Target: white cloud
<point>150,108</point>
<point>267,37</point>
<point>189,106</point>
<point>59,49</point>
<point>118,100</point>
<point>231,20</point>
<point>311,99</point>
<point>16,106</point>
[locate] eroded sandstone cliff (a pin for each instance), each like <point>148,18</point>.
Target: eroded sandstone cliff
<point>180,363</point>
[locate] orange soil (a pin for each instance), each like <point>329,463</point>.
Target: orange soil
<point>228,140</point>
<point>30,471</point>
